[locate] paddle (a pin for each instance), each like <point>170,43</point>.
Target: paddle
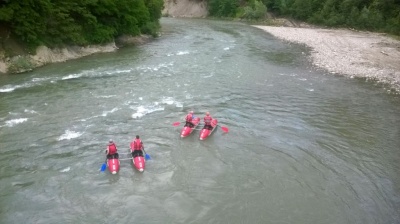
<point>103,166</point>
<point>225,129</point>
<point>147,156</point>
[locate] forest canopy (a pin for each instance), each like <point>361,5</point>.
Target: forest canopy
<point>80,22</point>
<point>372,15</point>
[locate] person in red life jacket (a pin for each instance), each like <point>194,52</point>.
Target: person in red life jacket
<point>207,121</point>
<point>189,119</point>
<point>137,147</point>
<point>111,150</point>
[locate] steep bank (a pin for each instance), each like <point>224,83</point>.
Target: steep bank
<point>373,56</point>
<point>22,61</point>
<point>185,8</point>
<point>44,55</point>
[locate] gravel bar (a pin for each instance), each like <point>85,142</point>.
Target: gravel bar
<point>350,53</point>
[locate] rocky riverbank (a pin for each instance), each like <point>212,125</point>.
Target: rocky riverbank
<point>44,55</point>
<point>373,56</point>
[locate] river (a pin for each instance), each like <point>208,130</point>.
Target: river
<point>303,146</point>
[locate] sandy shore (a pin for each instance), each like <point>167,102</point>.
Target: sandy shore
<point>349,53</point>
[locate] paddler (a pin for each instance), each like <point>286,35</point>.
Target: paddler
<point>137,147</point>
<point>111,150</point>
<point>207,121</point>
<point>189,119</point>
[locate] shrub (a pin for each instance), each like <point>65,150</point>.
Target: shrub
<point>20,64</point>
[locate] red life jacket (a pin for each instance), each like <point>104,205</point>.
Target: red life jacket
<point>112,149</point>
<point>207,120</point>
<point>137,144</point>
<point>189,117</point>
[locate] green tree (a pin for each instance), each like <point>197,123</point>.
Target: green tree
<point>223,8</point>
<point>301,9</point>
<point>28,23</point>
<point>257,10</point>
<point>58,22</point>
<point>374,15</point>
<point>393,25</point>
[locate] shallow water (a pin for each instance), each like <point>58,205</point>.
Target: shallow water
<point>303,146</point>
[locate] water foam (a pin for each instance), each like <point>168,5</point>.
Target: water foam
<point>69,135</point>
<point>106,96</point>
<point>10,88</point>
<point>182,52</point>
<point>7,89</point>
<point>40,81</point>
<point>155,67</point>
<point>141,110</point>
<point>72,76</point>
<point>30,111</point>
<point>119,71</point>
<point>105,113</point>
<point>13,122</point>
<point>168,100</point>
<point>171,101</point>
<point>65,170</point>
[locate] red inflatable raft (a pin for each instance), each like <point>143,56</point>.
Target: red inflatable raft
<point>205,132</point>
<point>113,165</point>
<point>187,130</point>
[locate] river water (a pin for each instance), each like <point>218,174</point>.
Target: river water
<point>303,146</point>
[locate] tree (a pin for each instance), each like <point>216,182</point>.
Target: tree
<point>223,8</point>
<point>301,9</point>
<point>58,22</point>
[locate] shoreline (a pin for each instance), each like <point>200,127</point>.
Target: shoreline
<point>27,62</point>
<point>373,56</point>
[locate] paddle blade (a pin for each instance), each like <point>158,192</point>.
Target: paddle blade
<point>225,129</point>
<point>176,123</point>
<point>147,157</point>
<point>103,167</point>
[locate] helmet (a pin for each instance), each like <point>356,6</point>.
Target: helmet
<point>191,112</point>
<point>137,136</point>
<point>208,113</point>
<point>110,141</point>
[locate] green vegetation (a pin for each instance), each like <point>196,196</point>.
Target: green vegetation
<point>372,15</point>
<point>78,22</point>
<point>20,64</point>
<point>82,22</point>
